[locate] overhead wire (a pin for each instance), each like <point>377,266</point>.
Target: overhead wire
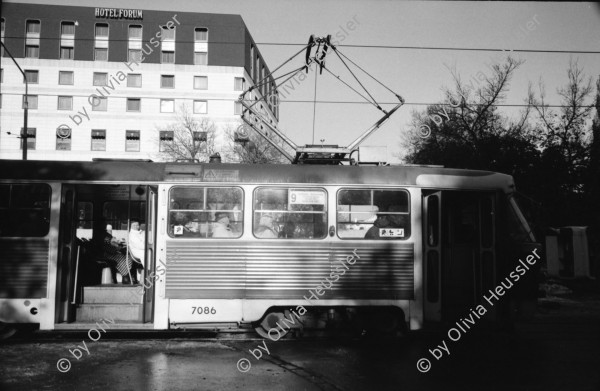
<point>480,49</point>
<point>301,101</point>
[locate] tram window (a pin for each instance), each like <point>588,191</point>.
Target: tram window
<point>85,216</point>
<point>487,222</point>
<point>373,214</point>
<point>433,218</point>
<point>518,229</point>
<point>119,213</point>
<point>85,220</point>
<point>465,221</point>
<point>292,213</point>
<point>24,210</point>
<point>206,212</point>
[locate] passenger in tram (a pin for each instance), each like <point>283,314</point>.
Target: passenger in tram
<point>386,219</point>
<point>266,228</point>
<point>136,245</point>
<point>222,229</point>
<point>287,231</point>
<point>112,252</point>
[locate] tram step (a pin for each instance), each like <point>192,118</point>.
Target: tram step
<point>112,294</point>
<point>94,312</point>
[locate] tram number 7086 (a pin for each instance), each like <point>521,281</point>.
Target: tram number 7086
<point>204,310</point>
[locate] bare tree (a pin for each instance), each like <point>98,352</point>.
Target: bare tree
<point>191,138</point>
<point>564,130</point>
<point>248,147</point>
<point>467,120</point>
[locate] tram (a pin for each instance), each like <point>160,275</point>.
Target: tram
<point>409,245</point>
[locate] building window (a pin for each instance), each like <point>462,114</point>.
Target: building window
<point>167,81</point>
<point>166,140</point>
<point>206,212</point>
<point>134,104</point>
<point>67,40</point>
<point>237,108</point>
<point>31,132</point>
<point>200,107</point>
<point>32,51</point>
<point>32,101</point>
<point>167,105</point>
<point>134,80</point>
<point>101,43</point>
<point>239,84</point>
<point>201,58</point>
<point>167,57</point>
<point>132,141</point>
<point>168,34</point>
<point>135,43</point>
<point>31,76</point>
<point>201,82</point>
<point>134,55</point>
<point>63,138</point>
<point>99,104</point>
<point>252,62</point>
<point>102,31</point>
<point>167,45</point>
<point>100,54</point>
<point>65,103</point>
<point>257,69</point>
<point>32,41</point>
<point>2,27</point>
<point>66,53</point>
<point>201,46</point>
<point>200,137</point>
<point>65,77</point>
<point>100,79</point>
<point>33,28</point>
<point>67,29</point>
<point>263,87</point>
<point>201,34</point>
<point>98,140</point>
<point>291,213</point>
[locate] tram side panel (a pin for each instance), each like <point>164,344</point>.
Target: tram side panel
<point>238,280</point>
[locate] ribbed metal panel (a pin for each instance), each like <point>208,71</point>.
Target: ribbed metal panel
<point>244,269</point>
<point>23,268</point>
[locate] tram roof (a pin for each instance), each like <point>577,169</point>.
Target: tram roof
<point>144,172</point>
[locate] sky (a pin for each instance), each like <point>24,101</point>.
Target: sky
<point>418,75</point>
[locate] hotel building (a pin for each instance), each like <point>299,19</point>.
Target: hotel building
<point>108,82</point>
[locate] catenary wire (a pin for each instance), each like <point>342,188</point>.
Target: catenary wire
<point>354,46</point>
<point>296,101</point>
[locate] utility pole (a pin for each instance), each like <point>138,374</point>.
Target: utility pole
<point>25,103</point>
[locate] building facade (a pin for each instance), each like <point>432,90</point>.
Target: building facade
<point>110,82</point>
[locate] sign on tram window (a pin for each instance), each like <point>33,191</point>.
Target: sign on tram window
<point>24,210</point>
<point>306,197</point>
<point>376,214</point>
<point>282,213</point>
<point>206,212</point>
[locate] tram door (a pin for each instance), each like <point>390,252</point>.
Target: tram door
<point>468,250</point>
<point>83,286</point>
<point>151,228</point>
<point>432,254</point>
<point>68,251</point>
<point>459,251</point>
